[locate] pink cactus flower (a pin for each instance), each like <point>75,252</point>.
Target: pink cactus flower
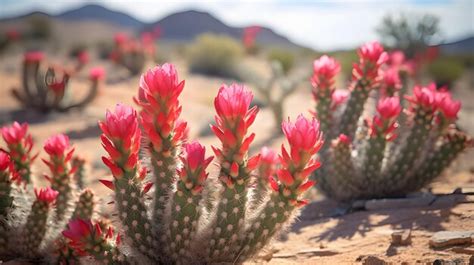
<point>120,38</point>
<point>15,133</point>
<point>83,57</point>
<point>57,145</point>
<point>234,116</point>
<point>268,162</point>
<point>339,97</point>
<point>158,95</point>
<point>121,139</point>
<point>344,139</point>
<point>425,97</point>
<point>5,161</point>
<point>325,70</point>
<point>193,173</point>
<point>303,135</point>
<point>12,35</point>
<point>249,36</point>
<point>449,107</point>
<point>47,195</point>
<point>34,57</point>
<point>389,108</point>
<point>96,73</point>
<point>371,57</point>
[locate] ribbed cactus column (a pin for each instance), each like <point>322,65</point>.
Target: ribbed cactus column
<point>185,209</point>
<point>232,122</point>
<point>365,78</point>
<point>79,163</point>
<point>60,155</point>
<point>423,107</point>
<point>266,170</point>
<point>305,140</point>
<point>323,81</point>
<point>87,238</point>
<point>35,227</point>
<point>381,129</point>
<point>341,167</point>
<point>451,145</point>
<point>121,139</point>
<point>6,199</point>
<point>20,144</point>
<point>84,206</point>
<point>158,96</point>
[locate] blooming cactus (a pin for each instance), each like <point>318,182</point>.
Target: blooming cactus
<point>387,154</point>
<point>183,219</point>
<point>43,90</point>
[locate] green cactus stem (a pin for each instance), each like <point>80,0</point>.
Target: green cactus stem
<point>449,147</point>
<point>84,206</point>
<point>355,107</point>
<point>406,157</point>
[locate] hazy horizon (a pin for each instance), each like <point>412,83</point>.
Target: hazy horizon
<point>323,25</point>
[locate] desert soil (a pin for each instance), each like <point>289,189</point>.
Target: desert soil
<point>317,240</point>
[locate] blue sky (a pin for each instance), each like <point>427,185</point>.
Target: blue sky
<point>321,24</point>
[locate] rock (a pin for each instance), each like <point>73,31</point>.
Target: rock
<point>449,200</point>
<point>317,252</point>
<point>371,260</point>
<point>401,238</point>
<point>464,190</point>
<point>383,204</point>
<point>451,238</point>
<point>461,250</point>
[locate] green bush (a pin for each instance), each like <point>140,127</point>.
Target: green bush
<point>215,55</point>
<point>446,70</point>
<point>284,57</point>
<point>346,59</point>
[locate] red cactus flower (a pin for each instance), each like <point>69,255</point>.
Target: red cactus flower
<point>234,116</point>
<point>96,73</point>
<point>47,195</point>
<point>5,161</point>
<point>121,139</point>
<point>305,140</point>
<point>12,35</point>
<point>83,57</point>
<point>158,95</point>
<point>425,97</point>
<point>396,58</point>
<point>83,234</point>
<point>325,70</point>
<point>389,108</point>
<point>33,57</point>
<point>193,173</point>
<point>15,133</point>
<point>339,97</point>
<point>447,106</point>
<point>57,145</point>
<point>371,57</point>
<point>249,36</point>
<point>391,81</point>
<point>303,135</point>
<point>268,162</point>
<point>344,139</point>
<point>120,38</point>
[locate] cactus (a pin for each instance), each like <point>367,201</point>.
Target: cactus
<point>276,90</point>
<point>392,153</point>
<point>31,225</point>
<point>45,88</point>
<point>131,53</point>
<point>180,226</point>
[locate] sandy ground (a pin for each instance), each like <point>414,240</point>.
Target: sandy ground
<point>324,240</point>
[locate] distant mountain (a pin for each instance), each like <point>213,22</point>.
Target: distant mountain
<point>181,26</point>
<point>100,13</point>
<point>463,46</point>
<point>186,25</point>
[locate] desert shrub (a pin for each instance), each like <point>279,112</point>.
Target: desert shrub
<point>215,55</point>
<point>446,70</point>
<point>285,57</point>
<point>40,27</point>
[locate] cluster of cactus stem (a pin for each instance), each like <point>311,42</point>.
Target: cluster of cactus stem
<point>31,219</point>
<point>45,87</point>
<point>187,222</point>
<point>131,53</point>
<point>388,153</point>
<point>275,90</point>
